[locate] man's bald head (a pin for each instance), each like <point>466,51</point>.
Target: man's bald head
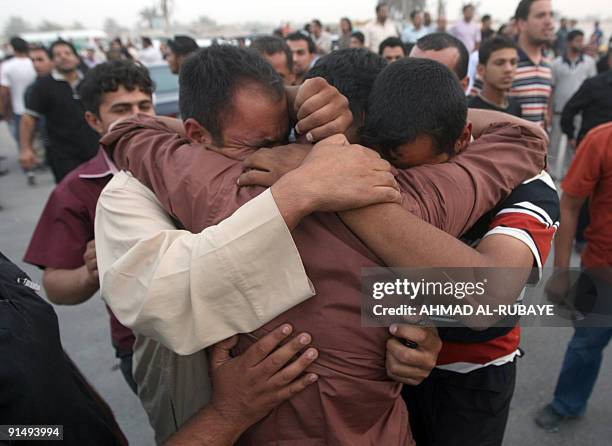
<point>446,49</point>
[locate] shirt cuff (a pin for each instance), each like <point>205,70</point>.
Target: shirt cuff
<point>31,112</point>
<point>265,264</point>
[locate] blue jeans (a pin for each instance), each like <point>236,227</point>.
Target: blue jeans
<point>15,129</point>
<point>580,369</point>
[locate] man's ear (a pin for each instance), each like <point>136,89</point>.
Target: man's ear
<point>197,133</point>
<point>94,122</point>
<point>465,82</point>
<point>480,69</point>
<point>464,140</point>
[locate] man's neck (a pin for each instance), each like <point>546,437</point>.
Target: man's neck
<point>494,95</point>
<point>533,51</point>
<point>70,76</point>
<point>381,21</point>
<point>573,55</point>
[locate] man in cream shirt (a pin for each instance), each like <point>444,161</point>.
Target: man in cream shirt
<point>182,292</point>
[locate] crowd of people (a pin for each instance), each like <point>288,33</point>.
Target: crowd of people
<point>228,245</point>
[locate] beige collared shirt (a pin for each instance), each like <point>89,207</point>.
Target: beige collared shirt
<point>182,292</point>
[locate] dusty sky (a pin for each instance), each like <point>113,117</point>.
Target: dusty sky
<point>93,12</point>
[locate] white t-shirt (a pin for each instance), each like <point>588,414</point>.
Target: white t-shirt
<point>17,74</point>
<point>150,56</point>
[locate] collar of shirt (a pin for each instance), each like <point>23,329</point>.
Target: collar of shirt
<point>573,64</point>
<point>100,166</point>
<point>523,57</point>
<point>60,77</point>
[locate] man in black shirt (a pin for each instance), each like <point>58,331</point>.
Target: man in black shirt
<point>498,59</point>
<point>55,97</point>
<point>594,101</point>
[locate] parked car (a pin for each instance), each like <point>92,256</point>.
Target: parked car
<point>166,97</point>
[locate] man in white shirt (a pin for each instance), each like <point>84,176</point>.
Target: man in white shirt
<point>16,75</point>
<point>380,28</point>
<point>466,30</point>
<point>414,32</point>
<point>149,55</point>
<point>322,38</point>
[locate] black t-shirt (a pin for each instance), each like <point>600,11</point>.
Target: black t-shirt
<point>70,137</point>
<point>39,384</point>
<point>514,108</point>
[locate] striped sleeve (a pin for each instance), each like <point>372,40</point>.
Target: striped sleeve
<point>531,215</point>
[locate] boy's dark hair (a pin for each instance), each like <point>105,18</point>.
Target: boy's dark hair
<point>391,42</point>
<point>271,45</point>
<point>19,45</point>
<point>317,22</point>
<point>380,5</point>
<point>522,9</point>
<point>297,36</point>
<point>573,34</point>
<point>469,5</point>
<point>353,72</point>
<point>485,18</point>
<point>489,46</point>
<point>414,97</point>
<point>65,43</point>
<point>107,77</point>
<point>441,41</point>
<point>38,47</point>
<point>359,36</point>
<point>414,13</point>
<point>147,41</point>
<point>182,45</point>
<point>209,78</point>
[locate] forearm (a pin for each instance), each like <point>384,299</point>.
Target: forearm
<point>5,99</point>
<point>570,212</point>
<point>68,286</point>
<point>207,428</point>
<point>26,132</point>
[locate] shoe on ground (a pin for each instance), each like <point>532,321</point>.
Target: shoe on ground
<point>549,419</point>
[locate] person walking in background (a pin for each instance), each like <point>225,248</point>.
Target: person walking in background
<point>561,37</point>
<point>392,49</point>
<point>56,98</point>
<point>590,175</point>
<point>414,32</point>
<point>304,53</point>
<point>570,70</point>
<point>357,40</point>
<point>346,29</point>
<point>322,39</point>
<point>380,28</point>
<point>466,30</point>
<point>16,75</point>
<point>149,55</point>
<point>498,59</point>
<point>486,30</point>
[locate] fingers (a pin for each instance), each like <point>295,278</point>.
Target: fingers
<point>309,88</point>
<point>296,387</point>
<point>278,359</point>
<point>319,100</point>
<point>259,160</point>
<point>337,139</point>
<point>221,352</point>
<point>286,375</point>
<point>408,365</point>
<point>263,347</point>
<point>325,122</point>
<point>257,178</point>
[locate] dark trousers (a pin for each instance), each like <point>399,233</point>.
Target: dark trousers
<point>450,408</point>
<point>125,365</point>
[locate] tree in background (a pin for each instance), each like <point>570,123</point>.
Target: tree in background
<point>15,26</point>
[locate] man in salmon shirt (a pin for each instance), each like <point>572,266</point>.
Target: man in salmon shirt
<point>353,401</point>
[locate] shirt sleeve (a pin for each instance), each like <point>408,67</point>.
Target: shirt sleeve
<point>189,291</point>
<point>62,232</point>
<point>586,169</point>
<point>5,80</point>
<point>453,196</point>
<point>577,103</point>
<point>36,102</point>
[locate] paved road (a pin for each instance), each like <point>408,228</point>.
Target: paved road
<point>85,335</point>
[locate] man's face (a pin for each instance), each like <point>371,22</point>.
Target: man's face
<point>256,119</point>
<point>119,104</point>
<point>174,61</point>
<point>500,68</point>
<point>42,63</point>
<point>577,44</point>
<point>448,56</point>
<point>393,53</point>
<point>539,26</point>
<point>468,14</point>
<point>355,43</point>
<point>302,58</point>
<point>486,24</point>
<point>417,20</point>
<point>64,59</point>
<point>315,29</point>
<point>279,62</point>
<point>383,13</point>
<point>441,22</point>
